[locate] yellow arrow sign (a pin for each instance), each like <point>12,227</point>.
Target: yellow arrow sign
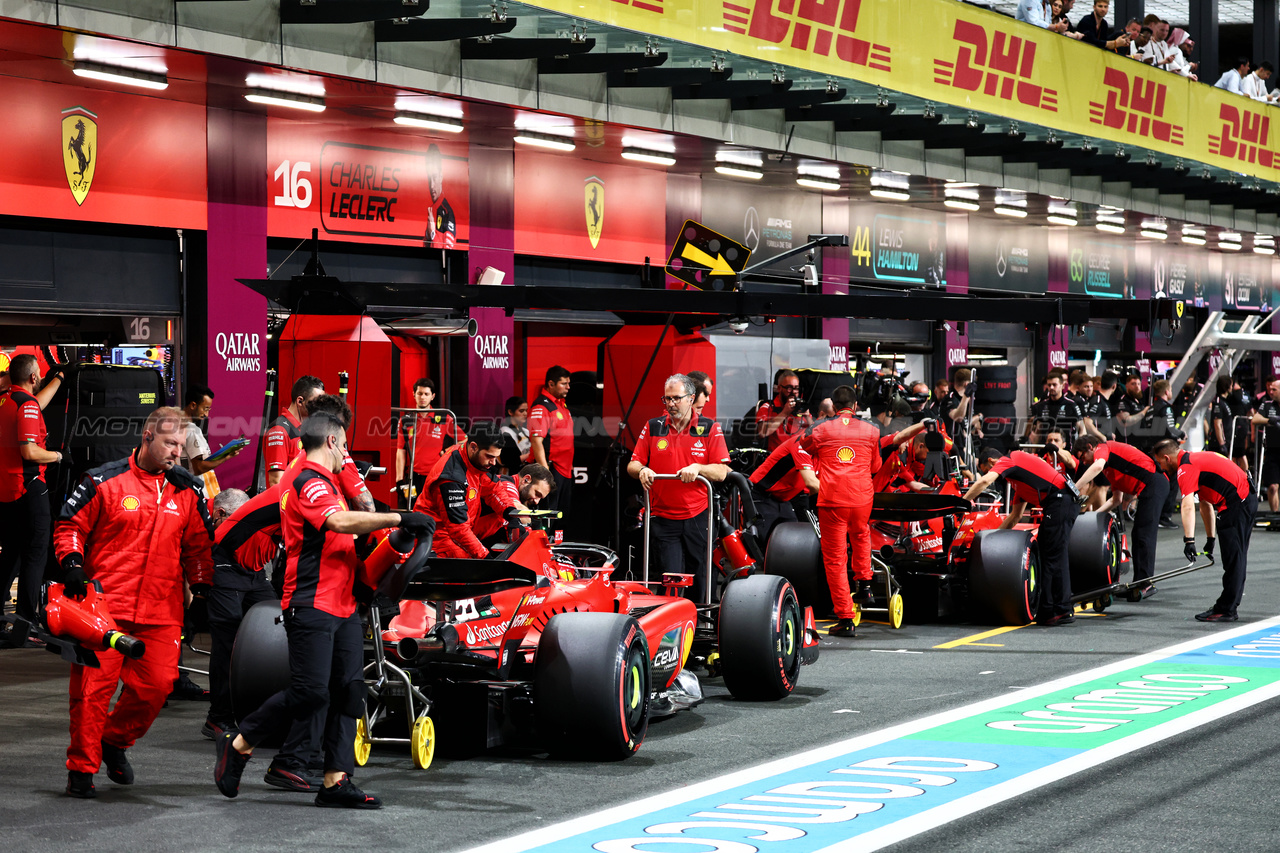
<point>718,265</point>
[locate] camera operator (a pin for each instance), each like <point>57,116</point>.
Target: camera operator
<point>783,416</point>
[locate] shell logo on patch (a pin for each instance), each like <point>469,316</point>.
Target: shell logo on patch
<point>130,504</point>
<point>662,444</point>
<point>471,494</point>
<point>284,496</point>
<point>845,454</point>
<point>559,416</point>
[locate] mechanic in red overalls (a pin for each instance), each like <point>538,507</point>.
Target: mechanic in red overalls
<point>1131,474</point>
<point>454,489</point>
<point>140,527</point>
<point>281,442</point>
<point>523,491</point>
<point>551,436</point>
<point>1037,483</point>
<point>779,479</point>
<point>847,452</point>
<point>1224,487</point>
<point>427,435</point>
<point>892,470</point>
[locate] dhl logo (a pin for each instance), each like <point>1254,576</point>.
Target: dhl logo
<point>1245,135</point>
<point>1135,105</point>
<point>998,65</point>
<point>647,5</point>
<point>812,27</point>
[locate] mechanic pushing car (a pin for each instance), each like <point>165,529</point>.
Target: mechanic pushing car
<point>893,472</point>
<point>326,640</point>
<point>847,452</point>
<point>138,527</point>
<point>1131,474</point>
<point>777,481</point>
<point>457,484</point>
<point>1225,489</point>
<point>681,444</point>
<point>1036,483</point>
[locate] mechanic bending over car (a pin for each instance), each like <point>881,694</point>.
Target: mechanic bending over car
<point>524,491</point>
<point>1223,488</point>
<point>892,470</point>
<point>847,452</point>
<point>326,639</point>
<point>779,479</point>
<point>457,484</point>
<point>1037,483</point>
<point>1131,474</point>
<point>679,443</point>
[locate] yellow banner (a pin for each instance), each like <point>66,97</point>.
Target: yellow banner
<point>968,57</point>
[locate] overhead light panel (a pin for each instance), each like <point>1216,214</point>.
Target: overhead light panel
<point>1194,232</point>
<point>545,140</point>
<point>120,74</point>
<point>1230,237</point>
<point>739,172</point>
<point>892,186</point>
<point>290,100</point>
<point>1230,247</point>
<point>1063,212</point>
<point>430,121</point>
<point>1264,250</point>
<point>1154,235</point>
<point>961,198</point>
<point>1110,227</point>
<point>818,176</point>
<point>818,183</point>
<point>646,155</point>
<point>1154,229</point>
<point>1192,240</point>
<point>1018,212</point>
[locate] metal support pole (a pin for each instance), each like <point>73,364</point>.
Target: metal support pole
<point>1266,31</point>
<point>1204,29</point>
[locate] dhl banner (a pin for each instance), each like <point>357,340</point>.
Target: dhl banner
<point>969,57</point>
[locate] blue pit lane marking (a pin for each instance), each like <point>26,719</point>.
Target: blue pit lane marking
<point>871,791</point>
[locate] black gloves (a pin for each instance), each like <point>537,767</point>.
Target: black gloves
<point>200,590</point>
<point>1274,420</point>
<point>418,523</point>
<point>970,389</point>
<point>1189,548</point>
<point>1208,546</point>
<point>74,580</point>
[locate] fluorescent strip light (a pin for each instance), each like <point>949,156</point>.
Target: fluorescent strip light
<point>292,100</point>
<point>545,140</point>
<point>818,184</point>
<point>1230,247</point>
<point>447,124</point>
<point>1154,235</point>
<point>644,155</point>
<point>1230,237</point>
<point>1061,220</point>
<point>740,158</point>
<point>957,185</point>
<point>891,195</point>
<point>812,170</point>
<point>961,204</point>
<point>120,74</point>
<point>1194,241</point>
<point>1012,211</point>
<point>1195,232</point>
<point>1264,250</point>
<point>1109,228</point>
<point>739,172</point>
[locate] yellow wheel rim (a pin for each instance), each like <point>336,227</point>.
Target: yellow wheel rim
<point>895,610</point>
<point>857,614</point>
<point>363,746</point>
<point>423,744</point>
<point>635,687</point>
<point>789,638</point>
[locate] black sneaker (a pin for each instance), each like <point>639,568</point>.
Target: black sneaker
<point>213,729</point>
<point>1139,594</point>
<point>229,765</point>
<point>843,628</point>
<point>185,688</point>
<point>1215,616</point>
<point>119,770</point>
<point>346,795</point>
<point>80,785</point>
<point>1056,619</point>
<point>1168,524</point>
<point>863,595</point>
<point>290,779</point>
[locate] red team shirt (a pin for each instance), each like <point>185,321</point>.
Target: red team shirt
<point>282,442</point>
<point>322,564</point>
<point>430,432</point>
<point>20,423</point>
<point>1128,469</point>
<point>665,451</point>
<point>550,418</point>
<point>779,473</point>
<point>847,452</point>
<point>1218,480</point>
<point>1031,477</point>
<point>792,426</point>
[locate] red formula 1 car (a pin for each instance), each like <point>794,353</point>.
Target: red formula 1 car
<point>938,556</point>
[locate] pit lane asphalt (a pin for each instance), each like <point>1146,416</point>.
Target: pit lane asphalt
<point>1211,785</point>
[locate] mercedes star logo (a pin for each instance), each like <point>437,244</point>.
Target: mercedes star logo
<point>751,229</point>
<point>1001,265</point>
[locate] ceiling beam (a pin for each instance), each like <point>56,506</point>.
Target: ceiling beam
<point>348,11</point>
<point>524,48</point>
<point>665,78</point>
<point>440,29</point>
<point>599,63</point>
<point>728,89</point>
<point>786,100</point>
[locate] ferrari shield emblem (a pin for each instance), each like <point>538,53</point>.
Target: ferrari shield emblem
<point>79,150</point>
<point>594,209</point>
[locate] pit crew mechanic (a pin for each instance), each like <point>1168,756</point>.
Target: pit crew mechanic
<point>1225,489</point>
<point>280,443</point>
<point>681,444</point>
<point>777,481</point>
<point>1131,474</point>
<point>458,483</point>
<point>137,526</point>
<point>847,452</point>
<point>325,636</point>
<point>1035,482</point>
<point>424,437</point>
<point>551,435</point>
<point>523,491</point>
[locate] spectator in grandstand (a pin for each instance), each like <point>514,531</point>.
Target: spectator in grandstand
<point>1230,80</point>
<point>1094,29</point>
<point>1182,45</point>
<point>1140,45</point>
<point>1059,10</point>
<point>1255,85</point>
<point>1038,13</point>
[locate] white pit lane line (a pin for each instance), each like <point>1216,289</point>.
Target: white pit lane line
<point>601,826</point>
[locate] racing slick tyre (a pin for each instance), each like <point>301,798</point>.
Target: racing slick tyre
<point>1094,552</point>
<point>259,660</point>
<point>591,691</point>
<point>761,633</point>
<point>795,553</point>
<point>1003,577</point>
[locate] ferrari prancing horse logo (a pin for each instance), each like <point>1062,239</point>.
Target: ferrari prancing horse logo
<point>79,150</point>
<point>594,207</point>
